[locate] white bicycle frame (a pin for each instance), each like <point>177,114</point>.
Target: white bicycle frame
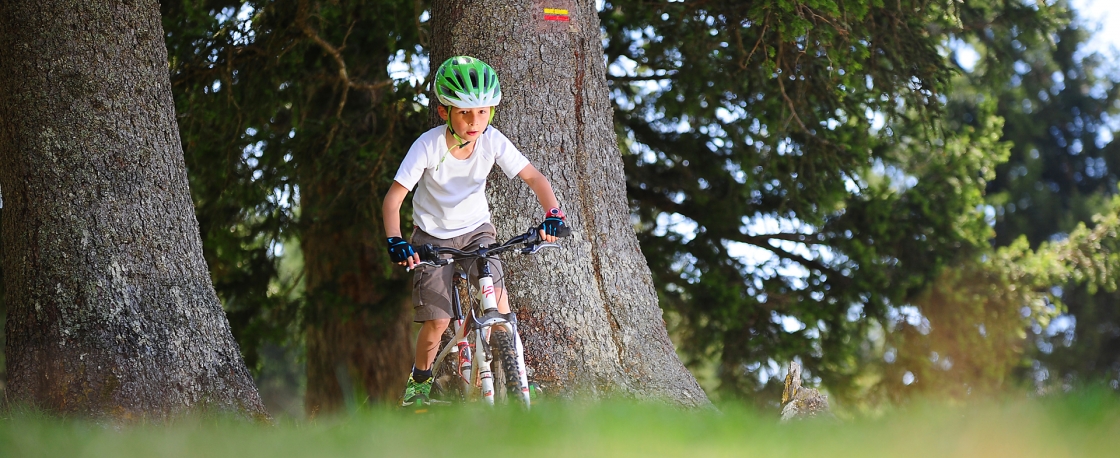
<point>481,376</point>
<point>480,380</point>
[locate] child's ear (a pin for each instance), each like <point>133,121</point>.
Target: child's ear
<point>442,112</point>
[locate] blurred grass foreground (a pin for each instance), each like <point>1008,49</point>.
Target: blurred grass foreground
<point>1076,425</point>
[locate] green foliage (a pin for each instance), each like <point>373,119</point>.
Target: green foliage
<point>793,176</point>
<point>1056,101</point>
<point>1085,349</point>
<point>1081,425</point>
<point>1059,102</point>
<point>278,101</point>
<point>969,339</point>
<point>220,118</point>
<point>810,179</point>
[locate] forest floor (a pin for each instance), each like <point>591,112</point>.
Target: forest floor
<point>1078,425</point>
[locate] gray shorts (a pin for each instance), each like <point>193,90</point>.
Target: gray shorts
<point>431,286</point>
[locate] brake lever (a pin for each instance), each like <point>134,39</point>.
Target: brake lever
<point>533,249</point>
<point>421,263</point>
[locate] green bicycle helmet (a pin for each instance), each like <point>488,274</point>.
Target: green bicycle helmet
<point>466,82</point>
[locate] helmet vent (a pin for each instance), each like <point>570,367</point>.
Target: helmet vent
<point>462,82</point>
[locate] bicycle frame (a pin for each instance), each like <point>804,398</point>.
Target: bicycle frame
<point>479,322</point>
<point>465,326</point>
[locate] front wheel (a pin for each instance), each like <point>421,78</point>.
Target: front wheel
<point>507,386</point>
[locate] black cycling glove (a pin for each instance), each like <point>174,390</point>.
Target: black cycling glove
<point>399,249</point>
<point>551,226</point>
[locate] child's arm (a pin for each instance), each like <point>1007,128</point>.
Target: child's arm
<point>391,215</point>
<point>543,189</point>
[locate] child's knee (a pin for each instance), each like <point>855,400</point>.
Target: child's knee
<point>438,324</point>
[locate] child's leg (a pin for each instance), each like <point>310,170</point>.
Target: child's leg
<point>427,342</point>
<point>503,300</point>
<point>419,385</point>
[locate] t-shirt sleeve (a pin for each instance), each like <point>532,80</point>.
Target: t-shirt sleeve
<point>413,165</point>
<point>507,156</point>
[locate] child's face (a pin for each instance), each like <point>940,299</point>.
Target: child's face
<point>469,123</point>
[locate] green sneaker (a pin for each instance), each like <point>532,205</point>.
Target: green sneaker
<point>416,393</point>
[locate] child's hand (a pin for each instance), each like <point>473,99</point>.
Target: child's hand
<point>550,228</point>
<point>401,252</point>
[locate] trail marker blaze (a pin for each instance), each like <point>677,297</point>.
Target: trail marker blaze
<point>556,14</point>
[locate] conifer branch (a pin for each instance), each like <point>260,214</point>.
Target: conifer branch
<point>343,74</point>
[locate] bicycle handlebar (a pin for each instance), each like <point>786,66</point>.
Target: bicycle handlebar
<point>531,239</point>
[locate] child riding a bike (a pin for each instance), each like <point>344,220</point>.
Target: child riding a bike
<point>447,168</point>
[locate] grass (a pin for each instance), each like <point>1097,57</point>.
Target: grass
<point>1080,425</point>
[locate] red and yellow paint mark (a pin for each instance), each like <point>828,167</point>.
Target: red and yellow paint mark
<point>556,14</point>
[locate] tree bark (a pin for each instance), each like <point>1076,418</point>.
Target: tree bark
<point>589,313</point>
<point>111,311</point>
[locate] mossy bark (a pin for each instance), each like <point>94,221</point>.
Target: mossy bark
<point>111,311</point>
<point>589,313</point>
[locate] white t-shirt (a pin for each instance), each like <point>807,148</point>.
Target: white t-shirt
<point>450,197</point>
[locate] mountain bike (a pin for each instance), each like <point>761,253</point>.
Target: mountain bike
<point>463,369</point>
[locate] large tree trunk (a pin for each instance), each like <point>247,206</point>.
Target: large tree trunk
<point>358,322</point>
<point>357,335</point>
<point>3,310</point>
<point>111,311</point>
<point>589,313</point>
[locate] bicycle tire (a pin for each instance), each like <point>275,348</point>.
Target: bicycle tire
<point>506,380</point>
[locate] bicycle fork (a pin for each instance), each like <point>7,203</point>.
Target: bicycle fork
<point>489,303</point>
<point>470,365</point>
<point>483,365</point>
<point>523,379</point>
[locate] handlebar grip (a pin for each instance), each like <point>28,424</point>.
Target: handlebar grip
<point>564,231</point>
<point>427,253</point>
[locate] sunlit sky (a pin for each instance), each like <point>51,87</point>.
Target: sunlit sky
<point>1106,15</point>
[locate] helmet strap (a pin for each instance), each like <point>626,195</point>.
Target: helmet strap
<point>462,143</point>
